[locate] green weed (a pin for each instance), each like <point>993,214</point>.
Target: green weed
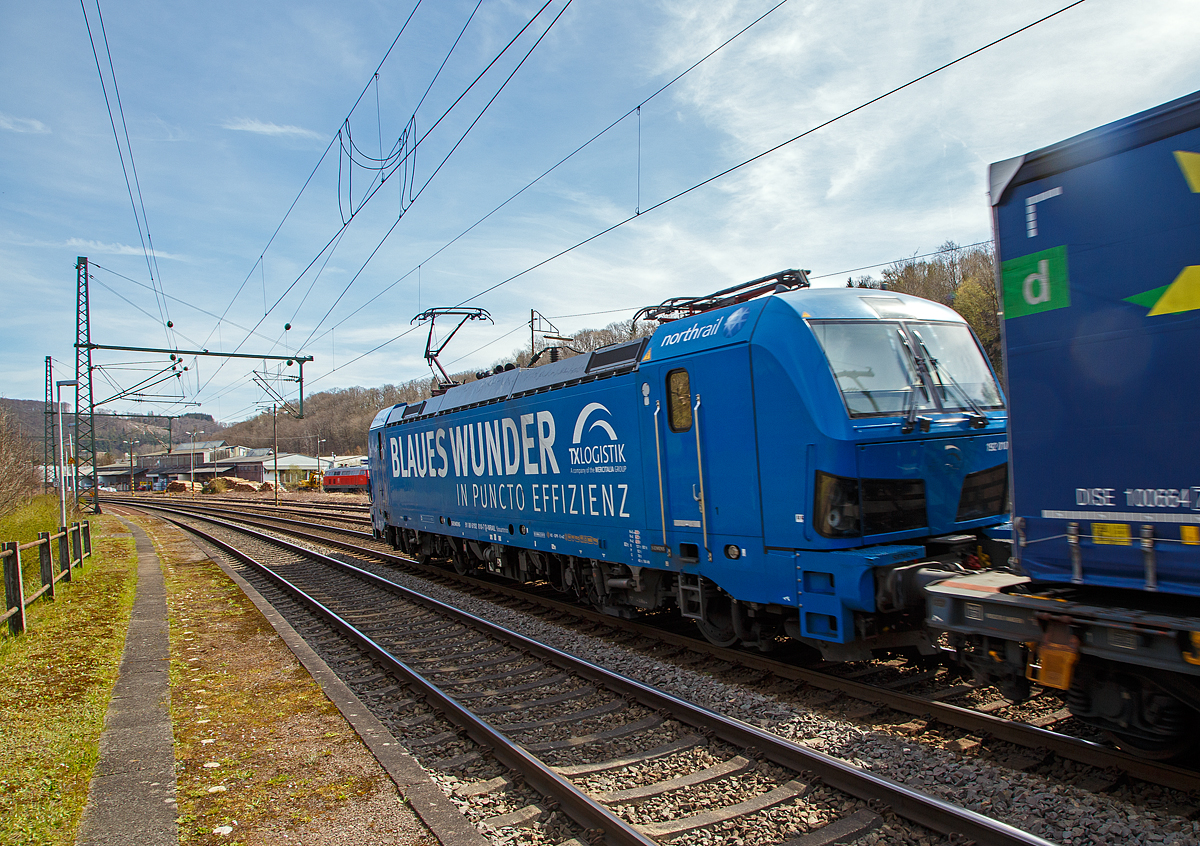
<point>58,679</point>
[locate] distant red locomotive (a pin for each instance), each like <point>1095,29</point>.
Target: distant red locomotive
<point>346,479</point>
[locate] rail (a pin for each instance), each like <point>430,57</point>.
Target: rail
<point>1022,734</point>
<point>585,809</point>
<point>74,545</point>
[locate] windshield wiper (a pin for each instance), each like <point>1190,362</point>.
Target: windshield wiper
<point>910,405</point>
<point>976,415</point>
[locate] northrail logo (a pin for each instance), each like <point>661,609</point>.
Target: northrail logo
<point>691,333</point>
<point>736,321</point>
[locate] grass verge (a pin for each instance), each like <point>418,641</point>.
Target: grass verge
<point>262,755</point>
<point>55,684</point>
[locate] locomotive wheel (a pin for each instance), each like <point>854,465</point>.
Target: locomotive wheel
<point>717,625</point>
<point>462,562</point>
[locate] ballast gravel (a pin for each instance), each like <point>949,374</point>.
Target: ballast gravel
<point>1057,812</point>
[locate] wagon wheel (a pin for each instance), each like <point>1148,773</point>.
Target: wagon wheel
<point>1178,748</point>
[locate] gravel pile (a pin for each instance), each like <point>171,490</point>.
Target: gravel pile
<point>1035,803</point>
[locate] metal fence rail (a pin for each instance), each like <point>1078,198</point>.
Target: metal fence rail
<point>74,545</point>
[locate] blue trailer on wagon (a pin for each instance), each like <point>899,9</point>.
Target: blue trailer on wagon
<point>774,460</point>
<point>1098,246</point>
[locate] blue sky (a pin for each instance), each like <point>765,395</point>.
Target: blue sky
<point>230,106</point>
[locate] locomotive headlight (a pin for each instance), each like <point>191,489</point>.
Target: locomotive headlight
<point>835,502</point>
<point>733,552</point>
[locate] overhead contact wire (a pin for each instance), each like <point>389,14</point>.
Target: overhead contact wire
<point>462,138</point>
<point>117,139</point>
<point>734,168</point>
<point>316,167</point>
<point>378,187</point>
<point>773,149</point>
<point>152,255</point>
<point>561,162</point>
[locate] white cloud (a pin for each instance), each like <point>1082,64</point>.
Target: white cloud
<point>908,172</point>
<point>263,128</point>
<point>116,249</point>
<point>16,124</point>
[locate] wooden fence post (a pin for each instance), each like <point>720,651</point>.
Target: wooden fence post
<point>46,559</point>
<point>13,591</point>
<point>77,545</point>
<point>87,538</point>
<point>64,553</point>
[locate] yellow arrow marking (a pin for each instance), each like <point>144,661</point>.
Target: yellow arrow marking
<point>1183,294</point>
<point>1189,163</point>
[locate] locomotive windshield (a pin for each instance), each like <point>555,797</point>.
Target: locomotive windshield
<point>893,367</point>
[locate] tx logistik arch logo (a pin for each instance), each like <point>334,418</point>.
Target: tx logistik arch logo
<point>582,419</point>
<point>1036,283</point>
<point>595,458</point>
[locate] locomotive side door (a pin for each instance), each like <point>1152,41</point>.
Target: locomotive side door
<point>698,431</point>
<point>681,522</point>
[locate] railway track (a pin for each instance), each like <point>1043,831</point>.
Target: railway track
<point>876,688</point>
<point>351,512</point>
<point>608,752</point>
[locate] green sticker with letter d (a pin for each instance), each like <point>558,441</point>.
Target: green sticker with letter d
<point>1036,282</point>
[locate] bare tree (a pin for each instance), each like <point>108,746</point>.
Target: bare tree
<point>962,278</point>
<point>18,481</point>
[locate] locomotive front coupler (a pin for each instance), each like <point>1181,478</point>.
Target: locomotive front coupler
<point>901,587</point>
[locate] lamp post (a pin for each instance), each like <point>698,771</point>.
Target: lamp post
<point>275,450</point>
<point>192,474</point>
<point>60,468</point>
<point>132,444</point>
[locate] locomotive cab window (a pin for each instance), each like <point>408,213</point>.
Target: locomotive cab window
<point>893,368</point>
<point>679,401</point>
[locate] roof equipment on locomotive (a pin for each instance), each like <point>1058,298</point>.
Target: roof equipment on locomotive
<point>432,352</point>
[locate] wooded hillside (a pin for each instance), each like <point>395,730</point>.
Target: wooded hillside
<point>27,419</point>
<point>338,419</point>
<point>960,277</point>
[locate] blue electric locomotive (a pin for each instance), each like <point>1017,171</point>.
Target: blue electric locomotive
<point>799,463</point>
